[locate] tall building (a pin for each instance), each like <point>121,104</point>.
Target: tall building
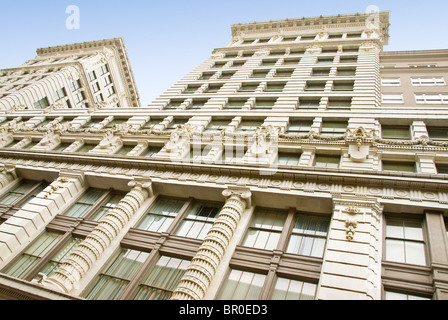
<point>300,161</point>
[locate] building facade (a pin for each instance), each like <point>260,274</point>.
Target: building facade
<point>300,161</point>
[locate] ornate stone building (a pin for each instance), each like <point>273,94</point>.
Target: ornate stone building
<point>300,161</point>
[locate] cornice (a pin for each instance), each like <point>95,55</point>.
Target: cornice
<point>312,23</point>
<point>310,174</point>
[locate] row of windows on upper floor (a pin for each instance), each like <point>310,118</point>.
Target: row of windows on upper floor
<point>281,52</point>
<point>272,86</point>
<point>101,86</point>
<point>420,98</point>
<point>235,154</point>
<point>295,125</point>
<point>293,38</point>
<point>41,61</point>
<point>281,73</point>
<point>415,81</point>
<point>351,59</point>
<point>404,242</point>
<point>290,157</point>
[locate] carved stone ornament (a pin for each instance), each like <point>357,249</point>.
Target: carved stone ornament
<point>351,224</point>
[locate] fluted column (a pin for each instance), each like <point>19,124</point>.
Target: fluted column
<point>89,251</point>
<point>203,266</point>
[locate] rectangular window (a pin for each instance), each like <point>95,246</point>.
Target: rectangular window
<point>41,104</point>
<point>391,82</point>
<point>219,64</point>
<point>56,261</point>
<point>343,85</point>
<point>315,86</point>
<point>161,214</point>
<point>277,53</point>
<point>334,127</point>
<point>150,151</point>
<point>434,81</point>
<point>191,88</point>
<point>174,104</point>
<point>287,289</point>
<point>309,235</point>
<point>85,203</point>
<point>218,125</point>
<point>348,59</point>
<point>431,98</point>
<point>327,161</point>
<point>339,103</point>
<point>291,61</point>
<point>264,103</point>
<point>389,295</point>
<point>197,103</point>
<point>309,103</point>
<point>86,147</point>
<point>242,285</point>
<point>260,73</point>
<point>111,202</point>
<point>266,228</point>
<point>405,241</point>
<point>162,280</point>
<point>325,60</point>
<point>393,99</point>
<point>442,168</point>
<point>396,132</point>
<point>59,94</point>
<point>110,91</point>
<point>176,123</point>
<point>438,133</point>
<point>249,87</point>
<point>288,39</point>
<point>307,38</point>
<point>199,220</point>
<point>117,276</point>
<point>299,127</point>
<point>344,72</point>
<point>104,69</point>
<point>288,159</point>
<point>238,63</point>
<point>214,88</point>
<point>284,73</point>
<point>268,62</point>
<point>321,72</point>
<point>33,254</point>
<point>227,74</point>
<point>401,166</point>
<point>206,75</point>
<point>235,103</point>
<point>249,125</point>
<point>107,80</point>
<point>22,192</point>
<point>95,87</point>
<point>91,76</point>
<point>79,97</point>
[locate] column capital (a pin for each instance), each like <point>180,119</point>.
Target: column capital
<point>144,184</point>
<point>241,192</point>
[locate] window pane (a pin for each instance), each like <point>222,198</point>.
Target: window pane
<point>163,278</point>
<point>114,280</point>
<point>395,250</point>
<point>33,254</point>
<point>242,286</point>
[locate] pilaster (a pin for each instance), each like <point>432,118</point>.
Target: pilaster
<point>351,269</point>
<point>203,267</point>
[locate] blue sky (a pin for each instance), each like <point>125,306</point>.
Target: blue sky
<point>167,39</point>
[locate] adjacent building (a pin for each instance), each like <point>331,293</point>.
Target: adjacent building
<point>300,161</point>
